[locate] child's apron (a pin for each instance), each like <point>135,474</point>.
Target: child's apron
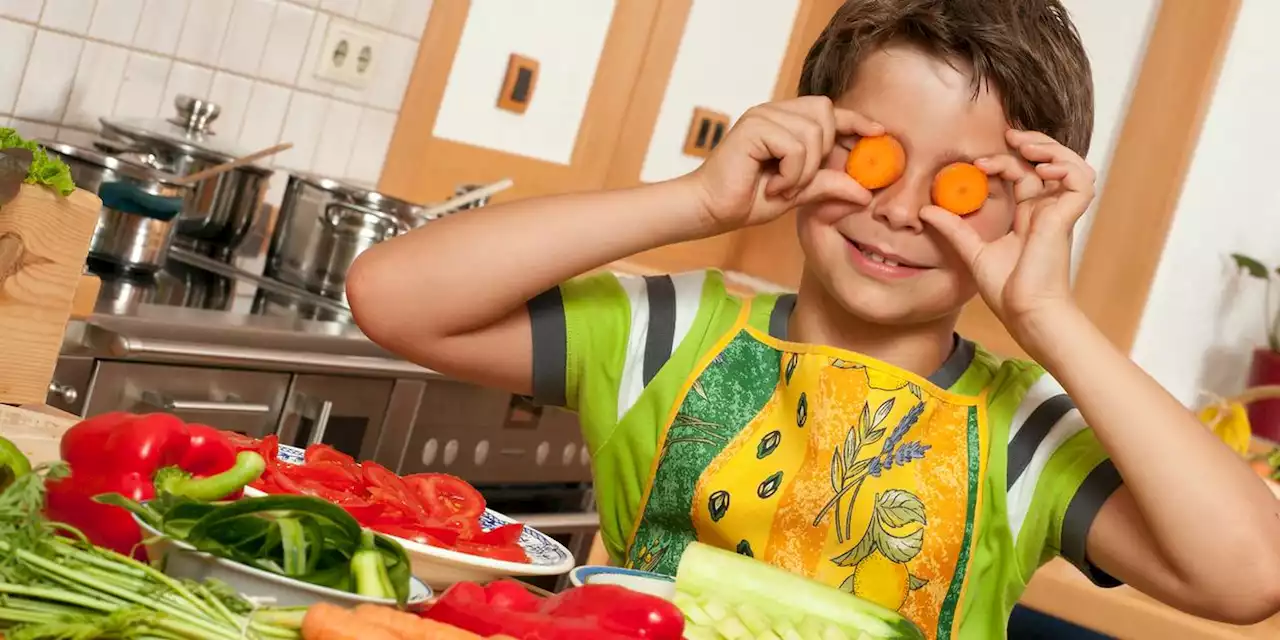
<point>823,462</point>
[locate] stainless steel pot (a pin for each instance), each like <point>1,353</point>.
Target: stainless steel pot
<point>323,225</point>
<point>223,207</point>
<point>129,240</point>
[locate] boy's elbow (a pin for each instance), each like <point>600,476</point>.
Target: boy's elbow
<point>368,300</point>
<point>1256,598</point>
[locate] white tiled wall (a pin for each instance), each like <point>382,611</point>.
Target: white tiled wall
<point>68,63</point>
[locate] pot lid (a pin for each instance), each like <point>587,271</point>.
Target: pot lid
<point>120,166</point>
<point>191,130</point>
<point>406,211</point>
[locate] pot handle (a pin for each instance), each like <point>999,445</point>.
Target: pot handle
<point>335,210</point>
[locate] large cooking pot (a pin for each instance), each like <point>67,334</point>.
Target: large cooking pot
<point>324,224</point>
<point>129,239</point>
<point>223,207</point>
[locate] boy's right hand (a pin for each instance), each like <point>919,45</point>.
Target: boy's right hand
<point>772,161</point>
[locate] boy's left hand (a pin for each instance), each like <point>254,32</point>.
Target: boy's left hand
<point>1026,274</point>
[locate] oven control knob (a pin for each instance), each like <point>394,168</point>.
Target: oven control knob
<point>570,450</point>
<point>429,452</point>
<point>584,456</point>
<point>541,453</point>
<point>482,452</point>
<point>450,452</point>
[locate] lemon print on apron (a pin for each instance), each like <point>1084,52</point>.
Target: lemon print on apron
<point>822,462</point>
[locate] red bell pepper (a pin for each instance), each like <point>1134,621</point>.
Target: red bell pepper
<point>122,453</point>
<point>592,612</point>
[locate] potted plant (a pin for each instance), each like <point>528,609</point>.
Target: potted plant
<point>1264,370</point>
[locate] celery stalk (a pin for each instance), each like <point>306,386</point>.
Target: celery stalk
<point>726,595</point>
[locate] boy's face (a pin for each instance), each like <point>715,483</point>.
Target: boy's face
<point>930,107</point>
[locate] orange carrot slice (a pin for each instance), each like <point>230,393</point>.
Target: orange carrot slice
<point>960,188</point>
<point>876,161</point>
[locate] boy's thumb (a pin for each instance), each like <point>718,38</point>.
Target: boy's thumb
<point>829,184</point>
<point>963,239</point>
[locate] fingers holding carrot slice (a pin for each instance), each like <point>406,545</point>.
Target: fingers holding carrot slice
<point>960,188</point>
<point>876,162</point>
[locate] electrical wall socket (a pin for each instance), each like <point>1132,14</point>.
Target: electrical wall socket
<point>349,54</point>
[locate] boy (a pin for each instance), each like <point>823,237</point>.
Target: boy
<point>846,433</point>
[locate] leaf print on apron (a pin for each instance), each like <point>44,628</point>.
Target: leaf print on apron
<point>823,462</point>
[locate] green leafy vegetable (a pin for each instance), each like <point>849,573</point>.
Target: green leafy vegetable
<point>45,169</point>
<point>64,588</point>
<point>301,537</point>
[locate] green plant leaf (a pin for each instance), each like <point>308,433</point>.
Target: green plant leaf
<point>915,582</point>
<point>850,447</point>
<point>864,422</point>
<point>860,551</point>
<point>882,412</point>
<point>837,471</point>
<point>898,508</point>
<point>1251,266</point>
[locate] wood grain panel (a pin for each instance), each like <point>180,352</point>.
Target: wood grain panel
<point>423,168</point>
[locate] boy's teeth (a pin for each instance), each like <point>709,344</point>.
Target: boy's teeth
<point>875,257</point>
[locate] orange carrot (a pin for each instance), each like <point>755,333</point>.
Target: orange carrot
<point>876,161</point>
<point>960,188</point>
<point>406,626</point>
<point>1261,468</point>
<point>331,622</point>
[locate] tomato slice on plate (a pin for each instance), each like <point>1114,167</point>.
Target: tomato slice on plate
<point>385,486</point>
<point>332,475</point>
<point>442,538</point>
<point>324,453</point>
<point>506,535</point>
<point>506,553</point>
<point>447,496</point>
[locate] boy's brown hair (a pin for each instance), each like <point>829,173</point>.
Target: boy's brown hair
<point>1027,50</point>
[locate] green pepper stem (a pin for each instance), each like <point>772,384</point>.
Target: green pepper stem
<point>248,467</point>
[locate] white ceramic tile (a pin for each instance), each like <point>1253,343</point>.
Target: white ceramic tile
<point>391,75</point>
<point>247,36</point>
<point>231,93</point>
<point>338,134</point>
<point>267,104</point>
<point>309,3</point>
<point>288,43</point>
<point>346,8</point>
<point>161,25</point>
<point>28,10</point>
<point>4,122</point>
<point>143,87</point>
<point>67,15</point>
<point>204,29</point>
<point>32,130</point>
<point>96,85</point>
<point>186,80</point>
<point>373,136</point>
<point>411,17</point>
<point>303,127</point>
<point>116,20</point>
<point>15,44</point>
<point>77,137</point>
<point>379,13</point>
<point>51,69</point>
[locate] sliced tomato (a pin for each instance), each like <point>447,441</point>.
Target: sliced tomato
<point>506,535</point>
<point>447,496</point>
<point>387,487</point>
<point>324,453</point>
<point>332,475</point>
<point>506,553</point>
<point>442,538</point>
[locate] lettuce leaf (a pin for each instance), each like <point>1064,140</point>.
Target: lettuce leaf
<point>45,169</point>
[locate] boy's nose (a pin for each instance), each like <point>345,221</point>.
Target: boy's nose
<point>897,206</point>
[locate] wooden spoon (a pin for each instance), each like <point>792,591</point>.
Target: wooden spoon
<point>234,164</point>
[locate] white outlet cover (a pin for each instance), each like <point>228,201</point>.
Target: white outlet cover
<point>349,55</point>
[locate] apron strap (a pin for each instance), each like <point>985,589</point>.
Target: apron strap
<point>661,331</point>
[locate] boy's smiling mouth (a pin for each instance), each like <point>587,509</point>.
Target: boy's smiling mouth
<point>880,263</point>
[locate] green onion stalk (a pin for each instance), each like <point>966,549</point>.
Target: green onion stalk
<point>55,585</point>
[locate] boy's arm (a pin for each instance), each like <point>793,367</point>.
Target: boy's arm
<point>1192,525</point>
<point>451,294</point>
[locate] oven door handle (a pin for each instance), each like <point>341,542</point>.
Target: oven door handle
<point>166,403</point>
<point>559,522</point>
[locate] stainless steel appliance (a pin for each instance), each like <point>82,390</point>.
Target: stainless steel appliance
<point>223,207</point>
<point>197,339</point>
<point>127,238</point>
<point>324,224</point>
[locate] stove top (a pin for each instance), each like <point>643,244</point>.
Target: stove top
<point>191,280</point>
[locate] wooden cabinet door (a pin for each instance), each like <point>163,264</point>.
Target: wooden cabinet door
<point>451,130</point>
<point>721,55</point>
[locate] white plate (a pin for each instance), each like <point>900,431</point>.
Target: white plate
<point>443,567</point>
<point>181,560</point>
<point>654,584</point>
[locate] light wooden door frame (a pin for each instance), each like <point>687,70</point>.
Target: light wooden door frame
<point>411,170</point>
